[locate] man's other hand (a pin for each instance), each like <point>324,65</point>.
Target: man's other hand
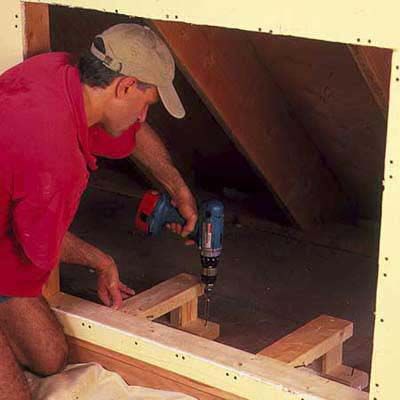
<point>186,205</point>
<point>110,289</point>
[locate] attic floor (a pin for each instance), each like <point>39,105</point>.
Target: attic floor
<point>268,285</point>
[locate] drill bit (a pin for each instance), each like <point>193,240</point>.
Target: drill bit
<point>207,309</point>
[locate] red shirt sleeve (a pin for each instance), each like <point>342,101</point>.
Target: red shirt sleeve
<point>103,144</point>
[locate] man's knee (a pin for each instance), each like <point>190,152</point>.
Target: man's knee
<point>54,359</point>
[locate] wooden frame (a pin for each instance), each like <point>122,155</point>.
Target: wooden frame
<point>357,22</point>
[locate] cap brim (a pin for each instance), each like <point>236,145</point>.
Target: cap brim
<point>171,100</point>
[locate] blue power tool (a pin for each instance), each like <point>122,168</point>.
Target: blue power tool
<point>155,211</point>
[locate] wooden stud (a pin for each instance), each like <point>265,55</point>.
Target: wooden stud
<point>348,376</point>
<point>186,318</point>
<point>37,29</point>
<point>185,314</point>
<point>332,359</point>
<point>199,327</point>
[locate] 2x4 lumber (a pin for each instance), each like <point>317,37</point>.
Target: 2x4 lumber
<point>332,367</point>
<point>199,327</point>
<point>179,297</point>
<point>186,318</point>
<point>348,376</point>
<point>185,314</point>
<point>332,359</point>
<point>224,69</point>
<point>135,372</point>
<point>201,360</point>
<point>37,29</point>
<point>311,341</point>
<point>321,338</point>
<point>164,297</point>
<point>375,66</point>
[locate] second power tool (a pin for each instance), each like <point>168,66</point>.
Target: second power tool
<point>155,211</point>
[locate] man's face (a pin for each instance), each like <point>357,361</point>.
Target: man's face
<point>129,105</point>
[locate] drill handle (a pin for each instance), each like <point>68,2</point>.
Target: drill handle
<point>172,215</point>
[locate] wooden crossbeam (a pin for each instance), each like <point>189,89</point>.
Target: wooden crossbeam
<point>164,297</point>
<point>311,341</point>
<point>177,296</point>
<point>321,338</point>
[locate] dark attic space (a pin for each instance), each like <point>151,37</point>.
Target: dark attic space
<point>290,135</point>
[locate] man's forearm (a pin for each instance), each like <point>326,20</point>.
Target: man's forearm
<point>76,251</point>
<point>152,153</point>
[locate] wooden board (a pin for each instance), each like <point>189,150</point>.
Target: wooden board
<point>311,341</point>
<point>135,372</point>
<point>164,297</point>
<point>375,66</point>
<point>321,338</point>
<point>223,367</point>
<point>37,29</point>
<point>223,67</point>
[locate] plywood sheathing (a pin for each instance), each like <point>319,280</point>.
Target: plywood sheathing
<point>331,99</point>
<point>225,70</point>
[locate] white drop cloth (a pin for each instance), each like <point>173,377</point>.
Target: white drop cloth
<point>92,382</point>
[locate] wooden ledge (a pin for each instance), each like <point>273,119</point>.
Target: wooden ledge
<point>177,296</point>
<point>321,338</point>
<point>164,297</point>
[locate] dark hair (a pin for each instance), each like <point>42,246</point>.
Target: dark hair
<point>92,71</point>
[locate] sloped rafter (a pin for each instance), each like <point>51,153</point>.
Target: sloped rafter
<point>223,67</point>
<point>375,66</point>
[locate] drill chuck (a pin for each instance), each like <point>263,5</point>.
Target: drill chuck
<point>209,276</point>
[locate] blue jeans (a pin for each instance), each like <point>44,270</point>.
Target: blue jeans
<point>4,298</point>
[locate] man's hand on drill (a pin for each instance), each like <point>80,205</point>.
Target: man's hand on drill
<point>184,201</point>
<point>110,289</point>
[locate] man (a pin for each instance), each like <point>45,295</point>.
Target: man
<point>55,119</point>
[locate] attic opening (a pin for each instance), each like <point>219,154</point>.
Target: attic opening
<point>290,133</point>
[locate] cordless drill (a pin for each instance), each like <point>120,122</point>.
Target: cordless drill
<point>155,211</point>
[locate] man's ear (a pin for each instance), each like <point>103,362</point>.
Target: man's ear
<point>124,85</point>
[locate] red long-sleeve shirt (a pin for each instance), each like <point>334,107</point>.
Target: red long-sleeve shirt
<point>46,152</point>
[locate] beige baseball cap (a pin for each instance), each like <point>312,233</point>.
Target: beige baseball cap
<point>135,50</point>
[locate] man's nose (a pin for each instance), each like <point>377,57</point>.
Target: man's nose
<point>142,116</point>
